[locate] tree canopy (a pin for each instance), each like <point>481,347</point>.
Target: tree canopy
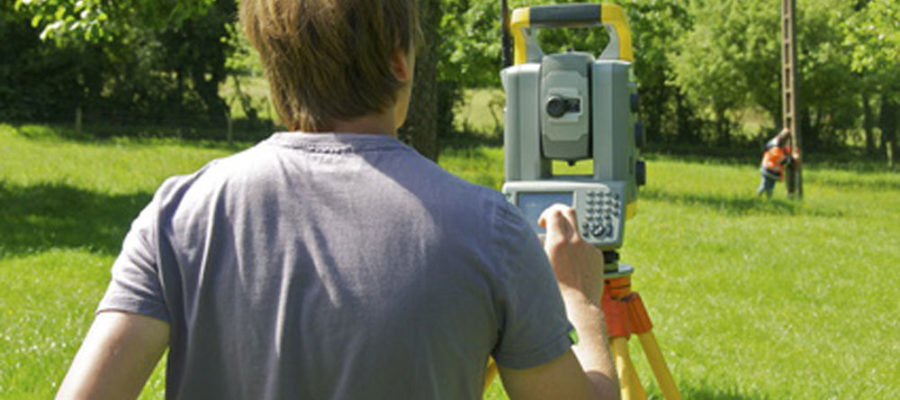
<point>702,66</point>
<point>93,20</point>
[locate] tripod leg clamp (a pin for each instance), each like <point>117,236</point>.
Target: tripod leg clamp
<point>626,315</point>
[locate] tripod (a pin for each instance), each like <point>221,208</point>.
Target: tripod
<point>626,315</point>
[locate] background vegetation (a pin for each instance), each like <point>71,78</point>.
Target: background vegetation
<point>708,70</point>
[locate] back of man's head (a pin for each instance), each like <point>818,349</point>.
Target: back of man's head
<point>329,60</point>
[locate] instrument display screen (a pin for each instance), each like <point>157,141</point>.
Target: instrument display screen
<point>533,204</point>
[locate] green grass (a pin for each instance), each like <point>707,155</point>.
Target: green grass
<point>751,299</point>
<point>65,206</point>
<point>771,299</point>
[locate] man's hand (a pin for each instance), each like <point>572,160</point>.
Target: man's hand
<point>579,271</point>
<point>578,265</point>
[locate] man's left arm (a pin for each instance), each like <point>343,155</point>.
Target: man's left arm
<point>117,356</point>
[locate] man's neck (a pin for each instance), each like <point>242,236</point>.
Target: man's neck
<point>376,124</point>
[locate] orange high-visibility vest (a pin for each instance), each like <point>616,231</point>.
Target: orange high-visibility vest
<point>774,160</point>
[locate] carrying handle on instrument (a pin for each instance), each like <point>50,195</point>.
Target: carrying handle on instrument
<point>579,15</point>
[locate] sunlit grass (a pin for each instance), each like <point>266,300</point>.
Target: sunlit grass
<point>752,299</point>
<point>65,206</point>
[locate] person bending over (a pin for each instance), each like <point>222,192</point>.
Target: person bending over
<point>775,158</point>
<point>333,261</point>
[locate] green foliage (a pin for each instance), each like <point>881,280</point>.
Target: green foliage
<point>702,66</point>
<point>828,87</point>
<point>36,82</point>
<point>93,20</point>
<point>163,71</point>
<point>874,35</point>
<point>472,58</point>
<point>729,51</point>
<point>729,61</point>
<point>655,25</point>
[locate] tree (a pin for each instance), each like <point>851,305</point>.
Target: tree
<point>873,35</point>
<point>93,20</point>
<point>36,82</point>
<point>198,49</point>
<point>421,127</point>
<point>730,61</point>
<point>728,58</point>
<point>140,61</point>
<point>830,104</point>
<point>656,25</point>
<point>471,58</point>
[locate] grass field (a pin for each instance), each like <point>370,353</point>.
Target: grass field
<point>752,299</point>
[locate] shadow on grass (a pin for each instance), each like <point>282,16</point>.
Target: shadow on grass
<point>876,185</point>
<point>711,393</point>
<point>111,135</point>
<point>44,216</point>
<point>734,205</point>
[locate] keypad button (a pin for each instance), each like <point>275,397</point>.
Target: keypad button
<point>597,230</point>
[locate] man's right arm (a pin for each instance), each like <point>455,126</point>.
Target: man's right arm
<point>586,371</point>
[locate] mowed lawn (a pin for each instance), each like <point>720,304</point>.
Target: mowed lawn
<point>751,299</point>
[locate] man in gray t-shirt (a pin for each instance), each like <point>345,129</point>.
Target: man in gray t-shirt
<point>343,265</point>
<point>337,266</point>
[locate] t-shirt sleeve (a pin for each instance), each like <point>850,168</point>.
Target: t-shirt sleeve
<point>533,323</point>
<point>135,285</point>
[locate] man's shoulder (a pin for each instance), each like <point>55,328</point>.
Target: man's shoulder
<point>207,180</point>
<point>461,202</point>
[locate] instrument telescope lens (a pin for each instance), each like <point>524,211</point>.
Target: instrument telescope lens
<point>557,106</point>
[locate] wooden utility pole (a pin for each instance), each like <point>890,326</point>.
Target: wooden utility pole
<point>789,94</point>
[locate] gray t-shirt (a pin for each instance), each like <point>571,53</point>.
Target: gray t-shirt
<point>323,266</point>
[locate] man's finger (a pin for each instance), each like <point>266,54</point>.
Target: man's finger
<point>570,216</point>
<point>556,220</point>
<point>545,215</point>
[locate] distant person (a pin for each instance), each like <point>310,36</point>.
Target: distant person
<point>775,158</point>
<point>335,262</point>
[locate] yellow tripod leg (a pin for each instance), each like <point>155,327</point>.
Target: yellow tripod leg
<point>489,374</point>
<point>630,385</point>
<point>658,364</point>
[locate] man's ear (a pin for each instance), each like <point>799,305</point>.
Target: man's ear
<point>402,65</point>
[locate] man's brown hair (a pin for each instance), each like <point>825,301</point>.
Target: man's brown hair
<point>329,60</point>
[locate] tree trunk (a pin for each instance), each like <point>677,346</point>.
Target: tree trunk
<point>810,131</point>
<point>722,128</point>
<point>685,130</point>
<point>868,124</point>
<point>888,124</point>
<point>420,130</point>
<point>653,103</point>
